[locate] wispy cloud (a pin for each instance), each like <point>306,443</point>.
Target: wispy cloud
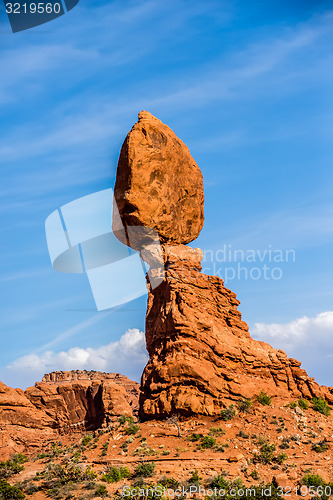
<point>305,338</point>
<point>127,355</point>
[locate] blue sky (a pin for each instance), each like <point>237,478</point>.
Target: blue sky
<point>248,87</point>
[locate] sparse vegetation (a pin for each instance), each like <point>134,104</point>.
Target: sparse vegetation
<point>207,442</point>
<point>216,431</point>
<point>320,447</point>
<point>194,437</point>
<point>228,413</point>
<point>264,399</point>
<point>195,478</point>
<point>243,435</point>
<point>244,405</point>
<point>12,466</point>
<point>86,439</point>
<point>132,429</point>
<point>8,492</point>
<point>266,454</point>
<point>321,405</point>
<point>145,469</point>
<point>101,491</point>
<point>303,403</point>
<point>115,474</point>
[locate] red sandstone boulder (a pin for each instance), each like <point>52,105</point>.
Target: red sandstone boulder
<point>158,184</point>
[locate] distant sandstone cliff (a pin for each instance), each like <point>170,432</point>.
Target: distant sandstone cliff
<point>62,402</point>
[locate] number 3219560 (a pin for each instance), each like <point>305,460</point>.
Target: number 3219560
<point>33,8</point>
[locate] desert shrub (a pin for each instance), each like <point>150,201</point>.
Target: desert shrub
<point>132,429</point>
<point>280,458</point>
<point>101,491</point>
<point>8,492</point>
<point>146,469</point>
<point>292,405</point>
<point>321,405</point>
<point>285,444</point>
<point>216,431</point>
<point>320,447</point>
<point>207,442</point>
<point>244,404</point>
<point>169,482</point>
<point>12,466</point>
<point>228,413</point>
<point>194,437</point>
<point>86,439</point>
<point>312,480</point>
<point>115,474</point>
<point>105,448</point>
<point>89,474</point>
<point>264,399</point>
<point>266,454</point>
<point>123,419</point>
<point>254,474</point>
<point>195,478</point>
<point>243,435</point>
<point>219,482</point>
<point>303,403</point>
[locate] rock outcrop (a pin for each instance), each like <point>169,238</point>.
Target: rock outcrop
<point>201,352</point>
<point>158,184</point>
<point>22,425</point>
<point>63,402</point>
<point>84,399</point>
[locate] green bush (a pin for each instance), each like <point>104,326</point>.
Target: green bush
<point>169,482</point>
<point>194,437</point>
<point>207,442</point>
<point>86,439</point>
<point>195,478</point>
<point>266,455</point>
<point>12,466</point>
<point>132,429</point>
<point>321,405</point>
<point>244,405</point>
<point>312,480</point>
<point>228,413</point>
<point>8,492</point>
<point>264,399</point>
<point>243,435</point>
<point>146,469</point>
<point>320,447</point>
<point>122,419</point>
<point>115,474</point>
<point>219,482</point>
<point>101,491</point>
<point>216,431</point>
<point>303,403</point>
<point>281,458</point>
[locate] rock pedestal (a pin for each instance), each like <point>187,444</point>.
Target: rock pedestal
<point>201,355</point>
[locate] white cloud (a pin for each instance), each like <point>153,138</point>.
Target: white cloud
<point>310,340</point>
<point>127,356</point>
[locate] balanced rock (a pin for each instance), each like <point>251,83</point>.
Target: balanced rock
<point>158,184</point>
<point>201,354</point>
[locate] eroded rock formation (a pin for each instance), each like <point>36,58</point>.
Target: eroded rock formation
<point>63,402</point>
<point>200,351</point>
